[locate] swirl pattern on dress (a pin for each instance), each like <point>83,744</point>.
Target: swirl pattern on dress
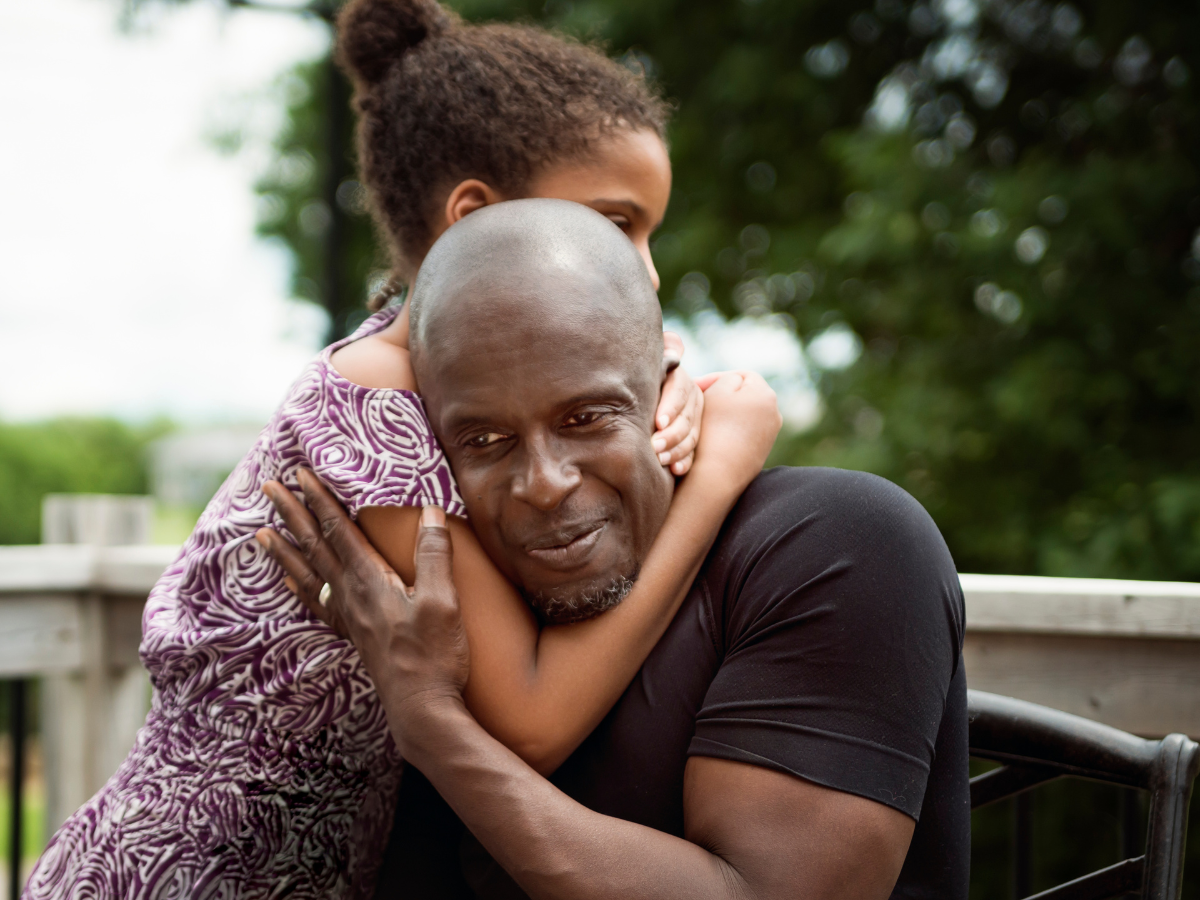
<point>265,768</point>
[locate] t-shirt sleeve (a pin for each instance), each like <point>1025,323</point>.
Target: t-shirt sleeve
<point>369,447</point>
<point>843,625</point>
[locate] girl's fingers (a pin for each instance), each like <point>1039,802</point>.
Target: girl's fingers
<point>704,382</point>
<point>669,438</point>
<point>674,398</point>
<point>682,451</point>
<point>672,348</point>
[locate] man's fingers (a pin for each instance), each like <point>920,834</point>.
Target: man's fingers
<point>434,558</point>
<point>304,527</point>
<point>301,578</point>
<point>347,540</point>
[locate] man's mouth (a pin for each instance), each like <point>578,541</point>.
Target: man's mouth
<point>566,548</point>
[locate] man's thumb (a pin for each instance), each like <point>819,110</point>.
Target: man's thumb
<point>434,554</point>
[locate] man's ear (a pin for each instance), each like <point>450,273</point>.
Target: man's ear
<point>467,197</point>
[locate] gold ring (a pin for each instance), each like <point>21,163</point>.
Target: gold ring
<point>326,593</point>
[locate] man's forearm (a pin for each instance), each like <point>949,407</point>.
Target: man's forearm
<point>553,846</point>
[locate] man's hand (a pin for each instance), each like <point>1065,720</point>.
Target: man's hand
<point>411,639</point>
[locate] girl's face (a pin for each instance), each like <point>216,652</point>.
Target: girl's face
<point>627,179</point>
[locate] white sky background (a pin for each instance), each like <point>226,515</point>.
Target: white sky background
<point>131,282</point>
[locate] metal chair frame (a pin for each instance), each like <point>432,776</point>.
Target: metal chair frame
<point>1037,744</point>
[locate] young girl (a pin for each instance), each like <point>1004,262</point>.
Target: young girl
<point>265,768</point>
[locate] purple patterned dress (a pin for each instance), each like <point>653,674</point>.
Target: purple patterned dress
<point>265,768</point>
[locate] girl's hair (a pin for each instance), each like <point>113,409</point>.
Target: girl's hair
<point>441,100</point>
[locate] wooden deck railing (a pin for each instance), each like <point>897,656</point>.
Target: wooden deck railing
<point>1126,653</point>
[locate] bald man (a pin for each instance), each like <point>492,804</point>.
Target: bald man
<point>800,729</point>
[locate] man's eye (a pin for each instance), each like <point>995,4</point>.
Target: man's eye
<point>485,440</point>
<point>584,418</point>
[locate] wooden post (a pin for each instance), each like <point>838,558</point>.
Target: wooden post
<point>90,717</point>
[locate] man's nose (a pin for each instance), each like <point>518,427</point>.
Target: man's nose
<point>544,480</point>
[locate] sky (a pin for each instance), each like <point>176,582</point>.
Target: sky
<point>131,282</point>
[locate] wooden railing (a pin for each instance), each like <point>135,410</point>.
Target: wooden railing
<point>1126,653</point>
<point>71,616</point>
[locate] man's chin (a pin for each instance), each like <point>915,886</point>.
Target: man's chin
<point>571,603</point>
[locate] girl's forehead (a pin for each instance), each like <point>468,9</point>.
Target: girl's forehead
<point>626,167</point>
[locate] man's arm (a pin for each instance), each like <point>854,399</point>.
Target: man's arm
<point>751,831</point>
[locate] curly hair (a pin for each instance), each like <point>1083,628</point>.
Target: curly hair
<point>440,100</point>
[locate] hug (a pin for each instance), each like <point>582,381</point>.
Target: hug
<point>545,628</point>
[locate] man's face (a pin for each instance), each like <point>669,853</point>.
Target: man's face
<point>547,419</point>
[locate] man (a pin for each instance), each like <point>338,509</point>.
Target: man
<point>799,731</point>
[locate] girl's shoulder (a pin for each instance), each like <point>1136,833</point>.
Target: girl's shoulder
<point>375,362</point>
<point>354,419</point>
<point>376,355</point>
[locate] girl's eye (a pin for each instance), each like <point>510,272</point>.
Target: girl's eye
<point>485,440</point>
<point>621,222</point>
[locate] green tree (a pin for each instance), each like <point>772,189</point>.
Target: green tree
<point>99,456</point>
<point>310,201</point>
<point>998,202</point>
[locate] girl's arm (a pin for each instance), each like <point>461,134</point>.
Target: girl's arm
<point>542,691</point>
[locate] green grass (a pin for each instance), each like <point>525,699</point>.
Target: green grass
<point>173,524</point>
<point>33,821</point>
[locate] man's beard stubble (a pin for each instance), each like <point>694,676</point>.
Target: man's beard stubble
<point>584,604</point>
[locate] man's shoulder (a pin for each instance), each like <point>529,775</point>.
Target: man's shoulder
<point>833,502</point>
<point>845,536</point>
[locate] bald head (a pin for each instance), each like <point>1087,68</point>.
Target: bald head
<point>545,263</point>
<point>536,338</point>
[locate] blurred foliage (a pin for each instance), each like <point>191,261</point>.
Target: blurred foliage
<point>294,198</point>
<point>66,455</point>
<point>997,203</point>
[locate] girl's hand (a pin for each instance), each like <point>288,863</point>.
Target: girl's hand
<point>679,411</point>
<point>741,421</point>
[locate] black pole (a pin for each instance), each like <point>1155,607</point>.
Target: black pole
<point>1023,845</point>
<point>337,110</point>
<point>16,730</point>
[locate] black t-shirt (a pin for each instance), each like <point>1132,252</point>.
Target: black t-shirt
<point>822,638</point>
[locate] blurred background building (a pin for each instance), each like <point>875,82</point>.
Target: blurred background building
<point>961,238</point>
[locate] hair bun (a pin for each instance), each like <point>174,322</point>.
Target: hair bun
<point>374,34</point>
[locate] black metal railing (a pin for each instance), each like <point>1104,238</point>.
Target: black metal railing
<point>18,729</point>
<point>1036,745</point>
